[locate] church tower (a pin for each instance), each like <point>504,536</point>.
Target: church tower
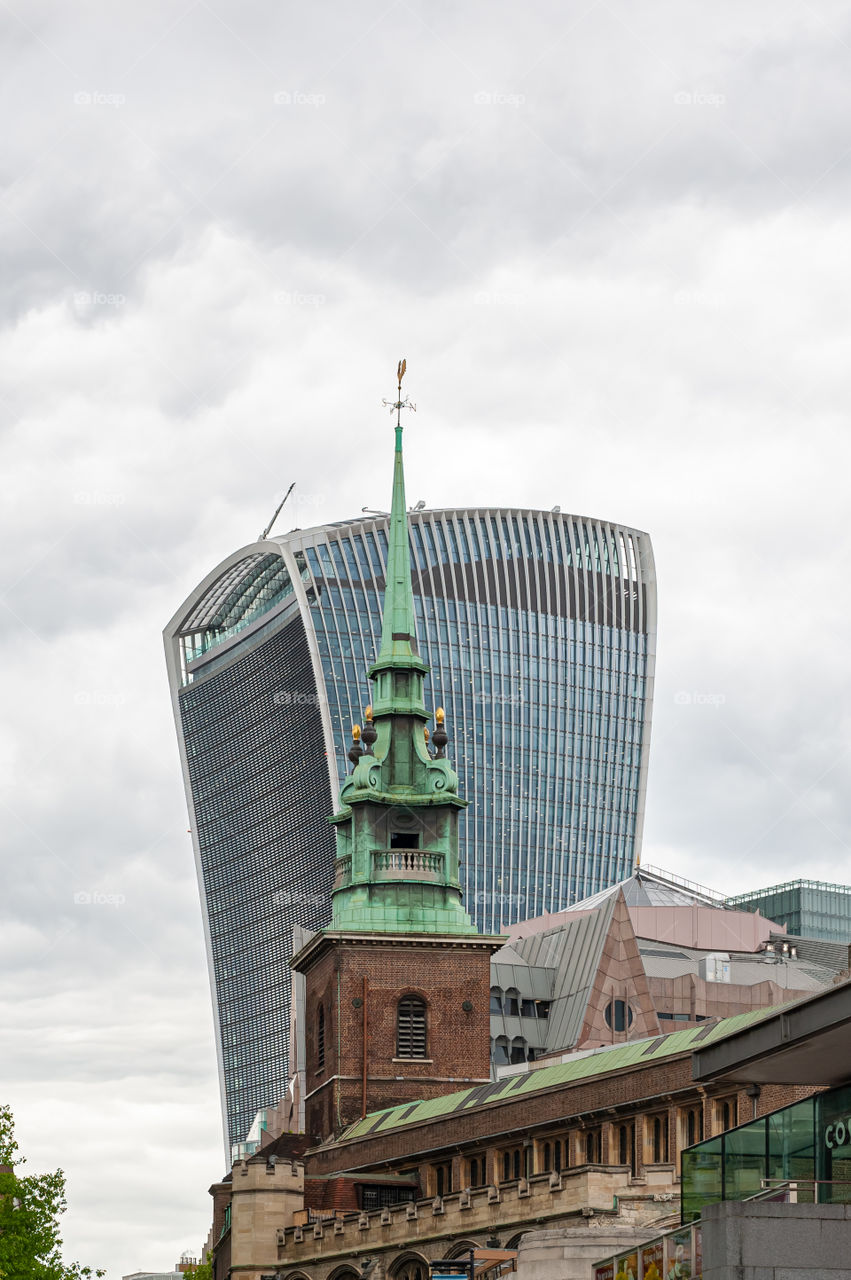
<point>398,986</point>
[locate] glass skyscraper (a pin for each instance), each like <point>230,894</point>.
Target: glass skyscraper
<point>808,908</point>
<point>539,629</point>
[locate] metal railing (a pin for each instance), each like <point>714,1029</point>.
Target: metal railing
<point>802,1191</point>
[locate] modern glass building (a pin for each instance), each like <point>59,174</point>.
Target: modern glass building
<point>808,908</point>
<point>539,629</point>
<point>807,1143</point>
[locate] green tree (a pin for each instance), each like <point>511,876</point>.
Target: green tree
<point>203,1271</point>
<point>30,1206</point>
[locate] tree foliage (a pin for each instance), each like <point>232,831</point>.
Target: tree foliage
<point>30,1206</point>
<point>203,1271</point>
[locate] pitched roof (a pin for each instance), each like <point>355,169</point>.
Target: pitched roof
<point>581,1066</point>
<point>572,951</point>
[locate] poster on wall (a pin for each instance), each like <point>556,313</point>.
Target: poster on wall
<point>606,1271</point>
<point>678,1255</point>
<point>697,1253</point>
<point>627,1267</point>
<point>653,1260</point>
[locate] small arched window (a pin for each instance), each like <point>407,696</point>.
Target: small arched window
<point>320,1039</point>
<point>496,999</point>
<point>411,1028</point>
<point>506,1166</point>
<point>516,1163</point>
<point>518,1049</point>
<point>547,1158</point>
<point>512,1002</point>
<point>500,1051</point>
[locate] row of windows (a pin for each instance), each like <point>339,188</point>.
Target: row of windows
<point>452,539</point>
<point>558,1152</point>
<point>610,836</point>
<point>510,1002</point>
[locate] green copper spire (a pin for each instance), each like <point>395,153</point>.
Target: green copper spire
<point>397,830</point>
<point>398,629</point>
<point>398,638</point>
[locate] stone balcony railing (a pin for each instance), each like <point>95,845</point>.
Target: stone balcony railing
<point>542,1199</point>
<point>342,871</point>
<point>394,864</point>
<point>401,864</point>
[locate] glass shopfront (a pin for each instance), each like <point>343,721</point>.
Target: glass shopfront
<point>802,1150</point>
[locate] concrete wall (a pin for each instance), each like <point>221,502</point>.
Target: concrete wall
<point>569,1253</point>
<point>761,1241</point>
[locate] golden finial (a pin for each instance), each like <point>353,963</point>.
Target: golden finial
<point>356,732</point>
<point>367,715</point>
<point>426,733</point>
<point>399,404</point>
<point>440,715</point>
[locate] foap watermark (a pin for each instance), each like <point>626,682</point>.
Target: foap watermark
<point>496,98</point>
<point>497,298</point>
<point>697,98</point>
<point>98,498</point>
<point>293,298</point>
<point>499,699</point>
<point>296,98</point>
<point>512,900</point>
<point>83,898</point>
<point>99,698</point>
<point>286,898</point>
<point>308,499</point>
<point>85,298</point>
<point>94,98</point>
<point>296,698</point>
<point>696,298</point>
<point>685,699</point>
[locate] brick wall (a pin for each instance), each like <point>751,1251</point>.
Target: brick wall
<point>444,973</point>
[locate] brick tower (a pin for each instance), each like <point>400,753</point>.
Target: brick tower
<point>398,986</point>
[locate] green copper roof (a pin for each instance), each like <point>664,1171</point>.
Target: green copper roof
<point>580,1067</point>
<point>397,864</point>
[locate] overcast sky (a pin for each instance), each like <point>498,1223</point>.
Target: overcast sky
<point>612,241</point>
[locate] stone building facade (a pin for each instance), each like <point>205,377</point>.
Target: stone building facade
<point>589,1149</point>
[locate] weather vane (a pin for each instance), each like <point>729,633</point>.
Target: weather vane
<point>399,404</point>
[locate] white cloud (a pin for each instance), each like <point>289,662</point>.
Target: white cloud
<point>630,306</point>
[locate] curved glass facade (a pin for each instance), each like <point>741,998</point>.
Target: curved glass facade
<point>539,629</point>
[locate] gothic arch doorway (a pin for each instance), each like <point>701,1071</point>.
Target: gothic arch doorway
<point>408,1266</point>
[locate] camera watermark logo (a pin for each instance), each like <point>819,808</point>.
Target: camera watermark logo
<point>296,698</point>
<point>490,298</point>
<point>494,98</point>
<point>686,98</point>
<point>99,698</point>
<point>696,298</point>
<point>685,699</point>
<point>94,98</point>
<point>293,898</point>
<point>83,898</point>
<point>292,298</point>
<point>511,900</point>
<point>85,298</point>
<point>295,98</point>
<point>499,699</point>
<point>98,498</point>
<point>308,499</point>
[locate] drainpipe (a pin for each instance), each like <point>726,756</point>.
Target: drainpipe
<point>363,1081</point>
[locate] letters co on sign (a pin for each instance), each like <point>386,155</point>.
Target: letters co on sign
<point>838,1134</point>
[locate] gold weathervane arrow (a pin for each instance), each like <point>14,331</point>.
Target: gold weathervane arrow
<point>399,404</point>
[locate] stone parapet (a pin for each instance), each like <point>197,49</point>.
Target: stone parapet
<point>429,1226</point>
